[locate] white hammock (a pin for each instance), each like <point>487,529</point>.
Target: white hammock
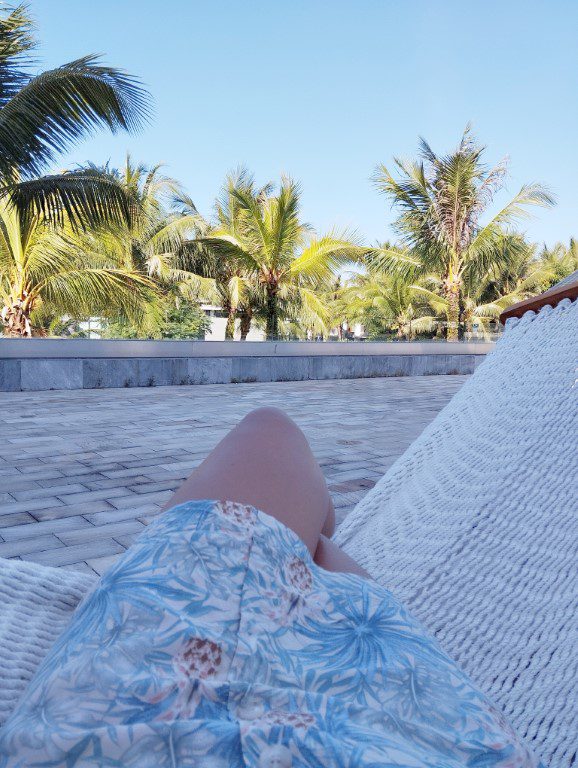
<point>475,528</point>
<point>36,604</point>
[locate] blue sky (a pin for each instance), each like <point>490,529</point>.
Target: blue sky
<point>325,89</point>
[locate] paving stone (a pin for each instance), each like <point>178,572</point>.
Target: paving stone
<point>116,515</point>
<point>115,482</point>
<point>127,540</point>
<point>128,448</point>
<point>55,490</point>
<point>77,552</point>
<point>96,532</point>
<point>141,488</point>
<point>124,472</point>
<point>177,466</point>
<point>149,462</point>
<point>101,564</point>
<point>29,506</point>
<point>136,499</point>
<point>56,513</point>
<point>13,483</point>
<point>48,526</point>
<point>178,476</point>
<point>26,546</point>
<point>82,566</point>
<point>79,478</point>
<point>74,499</point>
<point>15,519</point>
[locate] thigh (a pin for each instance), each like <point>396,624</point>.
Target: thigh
<point>266,461</point>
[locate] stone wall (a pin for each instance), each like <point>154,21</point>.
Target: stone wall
<point>34,372</point>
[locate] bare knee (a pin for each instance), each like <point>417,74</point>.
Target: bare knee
<point>270,419</point>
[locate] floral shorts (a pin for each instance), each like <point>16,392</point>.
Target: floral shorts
<point>215,641</point>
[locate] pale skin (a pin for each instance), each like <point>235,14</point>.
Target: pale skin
<point>266,461</point>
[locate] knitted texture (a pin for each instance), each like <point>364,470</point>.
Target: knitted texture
<point>36,603</point>
<point>475,528</point>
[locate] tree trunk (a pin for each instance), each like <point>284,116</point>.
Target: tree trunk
<point>272,323</point>
<point>452,291</point>
<point>246,318</point>
<point>16,320</point>
<point>230,326</point>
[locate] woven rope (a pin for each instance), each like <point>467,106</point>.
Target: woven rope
<point>475,528</point>
<point>36,603</point>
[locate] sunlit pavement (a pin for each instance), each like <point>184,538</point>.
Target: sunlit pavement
<point>82,472</point>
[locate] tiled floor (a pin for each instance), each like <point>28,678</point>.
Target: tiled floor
<point>82,472</point>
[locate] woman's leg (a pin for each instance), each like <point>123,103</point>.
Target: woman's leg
<point>331,558</point>
<point>266,461</point>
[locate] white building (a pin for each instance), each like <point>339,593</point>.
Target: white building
<point>218,319</point>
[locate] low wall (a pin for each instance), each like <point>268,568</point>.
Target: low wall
<point>40,364</point>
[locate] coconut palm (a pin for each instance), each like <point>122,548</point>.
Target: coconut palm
<point>558,262</point>
<point>514,275</point>
<point>234,286</point>
<point>40,117</point>
<point>270,248</point>
<point>43,274</point>
<point>43,115</point>
<point>387,302</point>
<point>150,242</point>
<point>442,200</point>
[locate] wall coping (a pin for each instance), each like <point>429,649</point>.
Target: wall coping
<point>23,349</point>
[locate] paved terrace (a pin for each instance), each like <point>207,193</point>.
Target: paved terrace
<point>82,472</point>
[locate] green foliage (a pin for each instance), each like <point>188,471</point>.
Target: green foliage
<point>44,115</point>
<point>441,201</point>
<point>267,261</point>
<point>64,327</point>
<point>183,321</point>
<point>387,305</point>
<point>43,273</point>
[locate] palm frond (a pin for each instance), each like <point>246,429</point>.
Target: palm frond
<point>438,303</point>
<point>16,41</point>
<point>517,208</point>
<point>323,257</point>
<point>84,197</point>
<point>107,292</point>
<point>195,287</point>
<point>174,232</point>
<point>311,310</point>
<point>55,109</point>
<point>393,261</point>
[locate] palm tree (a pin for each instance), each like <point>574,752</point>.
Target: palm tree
<point>43,115</point>
<point>149,243</point>
<point>43,273</point>
<point>269,248</point>
<point>151,239</point>
<point>441,201</point>
<point>558,262</point>
<point>234,286</point>
<point>382,301</point>
<point>40,117</point>
<point>514,275</point>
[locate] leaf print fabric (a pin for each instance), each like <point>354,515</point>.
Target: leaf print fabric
<point>215,641</point>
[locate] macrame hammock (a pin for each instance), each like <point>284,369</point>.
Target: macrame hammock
<point>475,528</point>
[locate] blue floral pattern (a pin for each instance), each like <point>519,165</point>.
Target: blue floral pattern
<point>215,641</point>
